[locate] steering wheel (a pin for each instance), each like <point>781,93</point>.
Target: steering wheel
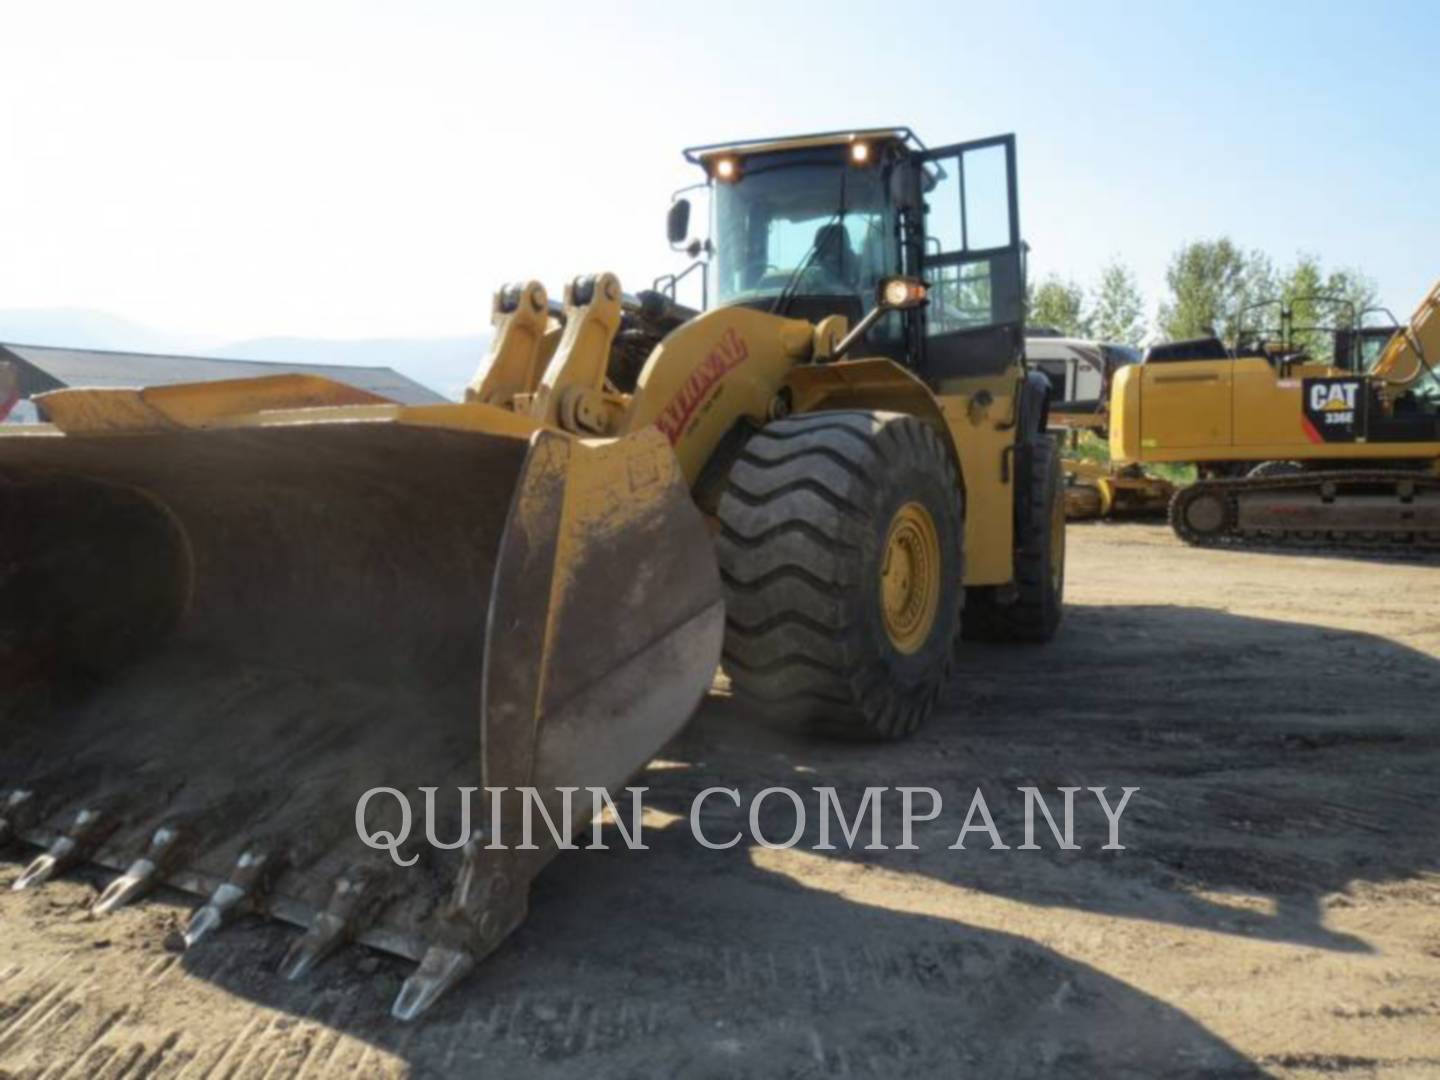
<point>748,269</point>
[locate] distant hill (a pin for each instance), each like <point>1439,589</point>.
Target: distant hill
<point>443,364</point>
<point>84,328</point>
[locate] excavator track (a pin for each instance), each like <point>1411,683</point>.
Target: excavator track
<point>1370,510</point>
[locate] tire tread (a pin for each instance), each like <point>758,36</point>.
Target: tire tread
<point>795,520</point>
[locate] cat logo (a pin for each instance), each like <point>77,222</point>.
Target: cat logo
<point>1333,410</point>
<point>1333,397</point>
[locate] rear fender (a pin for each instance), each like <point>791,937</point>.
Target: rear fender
<point>870,384</point>
<point>979,437</point>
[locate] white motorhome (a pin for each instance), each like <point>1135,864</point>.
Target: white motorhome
<point>1079,370</point>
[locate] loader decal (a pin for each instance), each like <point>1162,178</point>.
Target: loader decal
<point>1332,410</point>
<point>728,354</point>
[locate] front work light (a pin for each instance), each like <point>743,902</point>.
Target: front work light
<point>902,292</point>
<point>892,294</point>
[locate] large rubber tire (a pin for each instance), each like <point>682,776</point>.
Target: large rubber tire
<point>1030,612</point>
<point>805,520</point>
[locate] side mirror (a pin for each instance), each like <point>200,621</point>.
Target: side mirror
<point>677,222</point>
<point>905,182</point>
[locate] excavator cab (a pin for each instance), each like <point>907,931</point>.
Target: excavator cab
<point>1359,348</point>
<point>1298,331</point>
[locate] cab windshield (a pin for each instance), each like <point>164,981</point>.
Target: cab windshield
<point>804,228</point>
<point>1372,346</point>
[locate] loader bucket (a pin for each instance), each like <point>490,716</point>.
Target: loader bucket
<point>227,612</point>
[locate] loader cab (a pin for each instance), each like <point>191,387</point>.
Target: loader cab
<point>809,232</point>
<point>808,226</point>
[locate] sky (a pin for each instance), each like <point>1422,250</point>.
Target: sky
<point>350,170</point>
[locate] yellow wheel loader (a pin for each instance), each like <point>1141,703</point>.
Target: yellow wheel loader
<point>1291,446</point>
<point>240,620</point>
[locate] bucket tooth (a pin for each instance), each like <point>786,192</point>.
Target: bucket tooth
<point>485,905</point>
<point>352,902</point>
<point>87,832</point>
<point>441,968</point>
<point>252,875</point>
<point>144,873</point>
<point>16,813</point>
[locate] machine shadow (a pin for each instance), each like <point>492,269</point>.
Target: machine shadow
<point>1278,765</point>
<point>677,961</point>
<point>1276,762</point>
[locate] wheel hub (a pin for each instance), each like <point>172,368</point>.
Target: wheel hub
<point>910,577</point>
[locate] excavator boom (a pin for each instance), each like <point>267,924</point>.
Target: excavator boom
<point>1413,355</point>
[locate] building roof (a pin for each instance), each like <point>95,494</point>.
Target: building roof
<point>100,368</point>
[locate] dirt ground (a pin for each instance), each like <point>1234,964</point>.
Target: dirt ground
<point>1276,909</point>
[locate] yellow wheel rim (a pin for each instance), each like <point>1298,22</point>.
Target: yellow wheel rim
<point>910,577</point>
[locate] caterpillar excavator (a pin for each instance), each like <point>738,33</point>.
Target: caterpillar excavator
<point>230,610</point>
<point>1291,446</point>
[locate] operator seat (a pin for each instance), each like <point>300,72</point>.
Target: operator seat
<point>833,254</point>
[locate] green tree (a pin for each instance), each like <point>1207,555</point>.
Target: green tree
<point>1117,312</point>
<point>1319,302</point>
<point>1060,305</point>
<point>1351,291</point>
<point>1211,282</point>
<point>1301,290</point>
<point>1357,287</point>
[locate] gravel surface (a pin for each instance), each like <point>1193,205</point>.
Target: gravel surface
<point>1275,911</point>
